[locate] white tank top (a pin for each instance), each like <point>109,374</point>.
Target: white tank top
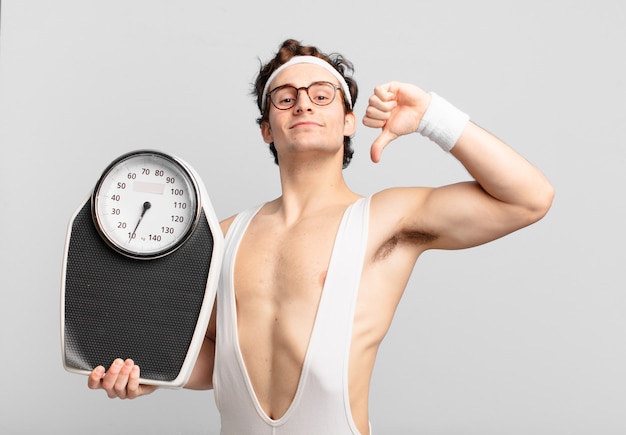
<point>321,404</point>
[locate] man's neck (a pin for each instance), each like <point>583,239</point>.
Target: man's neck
<point>310,188</point>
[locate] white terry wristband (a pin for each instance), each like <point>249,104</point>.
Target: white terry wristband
<point>442,123</point>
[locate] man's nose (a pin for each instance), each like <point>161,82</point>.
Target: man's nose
<point>303,102</point>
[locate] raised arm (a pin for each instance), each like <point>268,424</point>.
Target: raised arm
<point>508,192</point>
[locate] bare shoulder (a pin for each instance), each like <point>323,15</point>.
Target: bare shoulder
<point>225,224</point>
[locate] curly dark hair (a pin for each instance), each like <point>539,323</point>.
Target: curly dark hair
<point>291,48</point>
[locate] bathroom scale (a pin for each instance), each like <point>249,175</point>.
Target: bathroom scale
<point>140,270</point>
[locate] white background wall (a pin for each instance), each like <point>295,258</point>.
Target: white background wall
<point>526,335</point>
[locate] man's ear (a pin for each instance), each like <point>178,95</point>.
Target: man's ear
<point>349,124</point>
<point>266,132</point>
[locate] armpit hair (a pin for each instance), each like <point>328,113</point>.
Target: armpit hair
<point>410,237</point>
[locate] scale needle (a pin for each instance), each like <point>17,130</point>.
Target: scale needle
<point>146,206</point>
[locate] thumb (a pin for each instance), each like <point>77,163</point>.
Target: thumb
<point>380,143</point>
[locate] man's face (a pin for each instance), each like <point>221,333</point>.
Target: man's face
<point>307,126</point>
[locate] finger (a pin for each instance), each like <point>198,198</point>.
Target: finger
<point>385,92</point>
<point>374,117</point>
<point>379,145</point>
<point>377,118</point>
<point>373,122</point>
<point>133,389</point>
<point>108,382</point>
<point>379,104</point>
<point>93,382</point>
<point>122,379</point>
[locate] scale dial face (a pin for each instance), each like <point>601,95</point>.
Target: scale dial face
<point>146,204</point>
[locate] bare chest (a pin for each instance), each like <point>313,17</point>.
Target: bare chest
<point>281,272</point>
<point>279,277</point>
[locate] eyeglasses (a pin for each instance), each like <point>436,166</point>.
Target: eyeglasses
<point>286,96</point>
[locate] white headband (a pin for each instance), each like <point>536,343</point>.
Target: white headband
<point>315,61</point>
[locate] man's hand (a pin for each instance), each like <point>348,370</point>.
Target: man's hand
<point>396,108</point>
<point>120,381</point>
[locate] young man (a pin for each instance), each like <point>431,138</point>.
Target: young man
<point>320,270</point>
